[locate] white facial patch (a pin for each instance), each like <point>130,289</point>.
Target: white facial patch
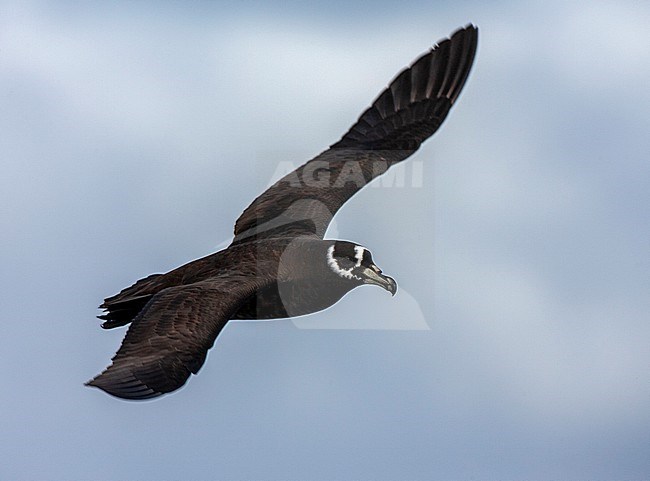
<point>347,273</point>
<point>358,254</point>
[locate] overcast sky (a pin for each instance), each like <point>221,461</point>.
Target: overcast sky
<point>133,135</point>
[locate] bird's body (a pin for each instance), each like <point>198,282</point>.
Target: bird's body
<point>299,280</point>
<point>279,265</point>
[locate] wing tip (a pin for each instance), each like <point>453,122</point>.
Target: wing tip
<point>429,85</point>
<point>123,387</point>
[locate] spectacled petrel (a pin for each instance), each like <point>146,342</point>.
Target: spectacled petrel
<point>279,265</point>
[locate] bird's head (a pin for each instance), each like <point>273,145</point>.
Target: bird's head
<point>354,263</point>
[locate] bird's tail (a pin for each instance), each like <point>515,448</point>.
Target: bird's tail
<point>121,308</point>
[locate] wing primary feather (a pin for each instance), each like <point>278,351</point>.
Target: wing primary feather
<point>420,77</point>
<point>439,60</point>
<point>467,59</point>
<point>401,90</point>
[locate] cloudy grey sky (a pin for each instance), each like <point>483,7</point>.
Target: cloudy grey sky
<point>132,136</point>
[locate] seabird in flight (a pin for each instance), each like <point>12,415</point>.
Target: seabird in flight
<point>279,265</point>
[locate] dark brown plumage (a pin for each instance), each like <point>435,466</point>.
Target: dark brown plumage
<point>278,264</point>
<point>404,115</point>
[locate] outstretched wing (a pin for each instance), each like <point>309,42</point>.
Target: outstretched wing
<point>403,116</point>
<point>170,338</point>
